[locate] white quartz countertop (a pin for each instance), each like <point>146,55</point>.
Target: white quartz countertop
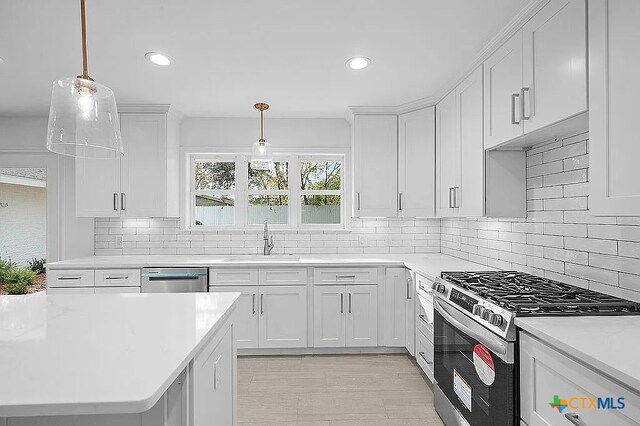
<point>100,354</point>
<point>426,264</point>
<point>608,344</point>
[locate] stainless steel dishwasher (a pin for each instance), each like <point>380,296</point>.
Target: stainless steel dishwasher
<point>175,280</point>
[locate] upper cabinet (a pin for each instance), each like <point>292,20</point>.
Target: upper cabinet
<point>538,78</point>
<point>393,164</point>
<point>375,161</point>
<point>142,183</point>
<point>614,66</point>
<point>416,152</point>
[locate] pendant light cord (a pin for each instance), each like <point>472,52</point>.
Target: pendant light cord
<point>261,126</point>
<point>85,57</point>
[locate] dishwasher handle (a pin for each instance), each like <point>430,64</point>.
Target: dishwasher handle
<point>172,277</point>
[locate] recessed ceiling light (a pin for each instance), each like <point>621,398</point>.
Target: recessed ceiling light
<point>358,63</point>
<point>158,58</point>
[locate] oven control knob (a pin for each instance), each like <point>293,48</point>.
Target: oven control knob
<point>434,285</point>
<point>477,309</point>
<point>495,319</point>
<point>485,314</point>
<point>440,288</point>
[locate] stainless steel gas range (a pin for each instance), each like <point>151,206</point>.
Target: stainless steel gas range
<point>475,338</point>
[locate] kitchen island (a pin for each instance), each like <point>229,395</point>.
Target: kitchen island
<point>117,359</point>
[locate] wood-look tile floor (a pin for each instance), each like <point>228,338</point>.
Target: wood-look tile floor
<point>340,390</point>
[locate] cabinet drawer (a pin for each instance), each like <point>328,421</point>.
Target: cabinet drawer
<point>323,276</point>
<point>118,277</point>
<point>233,276</point>
<point>424,355</point>
<point>70,278</point>
<point>424,316</point>
<point>286,276</point>
<point>116,290</point>
<point>546,372</point>
<point>70,290</point>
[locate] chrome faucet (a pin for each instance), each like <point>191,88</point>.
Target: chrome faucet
<point>268,240</point>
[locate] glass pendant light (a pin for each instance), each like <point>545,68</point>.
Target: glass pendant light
<point>261,151</point>
<point>83,118</point>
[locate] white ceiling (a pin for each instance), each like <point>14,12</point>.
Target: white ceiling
<point>229,54</point>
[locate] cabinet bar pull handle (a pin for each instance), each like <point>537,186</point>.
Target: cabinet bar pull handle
<point>115,201</point>
<point>451,198</point>
<point>400,201</point>
<point>123,200</point>
<point>425,358</point>
<point>344,277</point>
<point>513,108</point>
<point>575,419</point>
<point>409,280</point>
<point>262,303</point>
<point>455,197</point>
<point>424,319</point>
<point>68,278</point>
<point>341,303</point>
<point>358,201</point>
<point>349,302</point>
<point>117,278</point>
<point>523,104</point>
<point>253,303</point>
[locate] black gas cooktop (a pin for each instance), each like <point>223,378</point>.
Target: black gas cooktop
<point>529,295</point>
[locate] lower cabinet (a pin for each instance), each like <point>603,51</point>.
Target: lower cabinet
<point>397,292</point>
<point>409,314</point>
<point>345,316</point>
<point>246,318</point>
<point>283,317</point>
<point>546,374</point>
<point>213,382</point>
<point>424,354</point>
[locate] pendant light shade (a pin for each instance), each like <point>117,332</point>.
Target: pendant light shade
<point>83,118</point>
<point>261,150</point>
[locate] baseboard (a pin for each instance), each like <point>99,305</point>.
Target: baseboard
<point>321,351</point>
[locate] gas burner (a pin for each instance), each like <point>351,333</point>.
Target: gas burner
<point>529,295</point>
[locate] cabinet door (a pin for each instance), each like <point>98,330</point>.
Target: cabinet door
<point>144,165</point>
<point>283,317</point>
<point>329,316</point>
<point>97,187</point>
<point>409,313</point>
<point>362,315</point>
<point>614,66</point>
<point>502,85</point>
<point>554,64</point>
<point>416,163</point>
<point>213,396</point>
<point>470,193</point>
<point>375,160</point>
<point>447,155</point>
<point>245,318</point>
<point>395,296</point>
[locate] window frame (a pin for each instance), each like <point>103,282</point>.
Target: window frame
<point>242,191</point>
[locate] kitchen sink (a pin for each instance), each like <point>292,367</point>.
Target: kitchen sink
<point>263,258</point>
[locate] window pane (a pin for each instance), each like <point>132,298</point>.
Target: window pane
<point>215,175</point>
<point>320,209</point>
<point>212,210</point>
<point>321,175</point>
<point>275,179</point>
<point>268,208</point>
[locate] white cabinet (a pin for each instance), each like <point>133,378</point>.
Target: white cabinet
<point>538,77</point>
<point>283,317</point>
<point>614,66</point>
<point>90,281</point>
<point>345,316</point>
<point>546,373</point>
<point>142,183</point>
<point>328,316</point>
<point>214,384</point>
<point>466,185</point>
<point>375,165</point>
<point>416,151</point>
<point>395,297</point>
<point>246,319</point>
<point>409,314</point>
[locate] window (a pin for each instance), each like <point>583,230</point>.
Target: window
<point>268,194</point>
<point>297,192</point>
<point>213,192</point>
<point>321,192</point>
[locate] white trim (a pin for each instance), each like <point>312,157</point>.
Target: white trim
<point>22,180</point>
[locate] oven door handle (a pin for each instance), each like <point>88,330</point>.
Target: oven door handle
<point>491,341</point>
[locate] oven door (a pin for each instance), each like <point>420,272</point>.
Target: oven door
<point>474,369</point>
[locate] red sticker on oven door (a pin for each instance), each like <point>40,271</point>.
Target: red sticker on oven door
<point>484,364</point>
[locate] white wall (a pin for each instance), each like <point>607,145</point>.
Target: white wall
<point>282,133</point>
<point>23,222</point>
<point>22,144</point>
